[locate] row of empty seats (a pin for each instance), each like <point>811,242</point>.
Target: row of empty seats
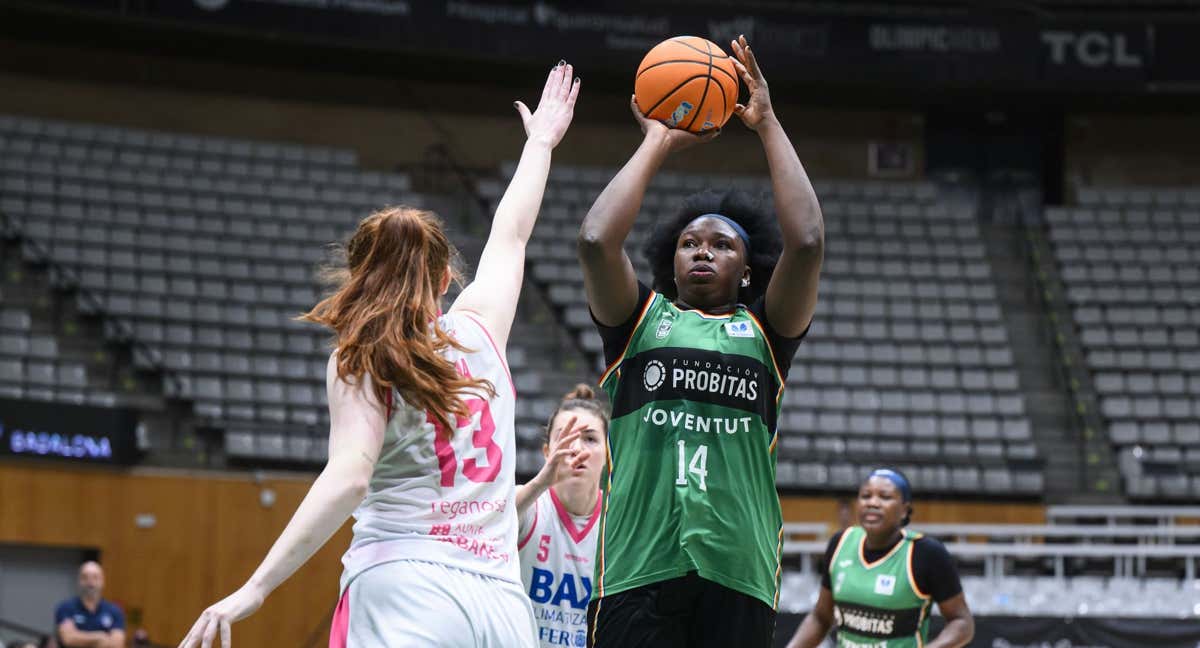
<point>962,479</point>
<point>27,134</point>
<point>1138,196</point>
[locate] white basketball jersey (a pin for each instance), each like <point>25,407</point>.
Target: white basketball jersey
<point>558,554</point>
<point>447,501</point>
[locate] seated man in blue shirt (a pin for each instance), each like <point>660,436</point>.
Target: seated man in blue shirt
<point>87,620</point>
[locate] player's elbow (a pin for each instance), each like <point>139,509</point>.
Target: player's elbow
<point>809,240</point>
<point>590,243</point>
<point>357,487</point>
<point>968,630</point>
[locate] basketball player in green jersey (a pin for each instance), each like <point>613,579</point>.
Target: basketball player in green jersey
<point>879,579</point>
<point>691,531</point>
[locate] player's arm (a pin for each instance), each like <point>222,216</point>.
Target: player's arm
<point>608,275</point>
<point>357,422</point>
<point>562,456</point>
<point>497,285</point>
<point>792,294</point>
<point>73,637</point>
<point>816,623</point>
<point>960,625</point>
<point>114,639</point>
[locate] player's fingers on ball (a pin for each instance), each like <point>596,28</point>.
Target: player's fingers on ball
<point>637,109</point>
<point>753,62</point>
<point>745,75</point>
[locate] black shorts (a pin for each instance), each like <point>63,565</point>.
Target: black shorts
<point>686,611</point>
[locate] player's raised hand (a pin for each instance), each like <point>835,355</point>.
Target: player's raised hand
<point>677,139</point>
<point>549,122</point>
<point>758,107</point>
<point>564,455</point>
<point>215,621</point>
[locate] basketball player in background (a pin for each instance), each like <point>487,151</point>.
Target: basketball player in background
<point>415,396</point>
<point>878,579</point>
<point>559,510</point>
<point>691,535</point>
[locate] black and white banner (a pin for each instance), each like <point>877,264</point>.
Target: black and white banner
<point>1021,52</point>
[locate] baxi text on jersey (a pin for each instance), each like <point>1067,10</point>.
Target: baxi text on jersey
<point>692,423</point>
<point>544,588</point>
<point>453,509</point>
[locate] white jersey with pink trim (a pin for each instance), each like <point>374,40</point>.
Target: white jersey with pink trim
<point>558,552</point>
<point>447,501</point>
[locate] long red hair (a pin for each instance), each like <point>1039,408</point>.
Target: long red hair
<point>384,312</point>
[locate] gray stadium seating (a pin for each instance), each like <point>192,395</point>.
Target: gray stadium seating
<point>1130,262</point>
<point>203,250</point>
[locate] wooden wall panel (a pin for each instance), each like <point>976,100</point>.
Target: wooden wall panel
<point>210,533</point>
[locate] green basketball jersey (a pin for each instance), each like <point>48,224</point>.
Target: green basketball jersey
<point>690,482</point>
<point>877,605</point>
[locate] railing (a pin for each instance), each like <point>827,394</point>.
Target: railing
<point>1164,515</point>
<point>1072,373</point>
<point>1128,560</point>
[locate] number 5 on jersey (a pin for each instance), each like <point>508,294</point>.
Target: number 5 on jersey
<point>698,465</point>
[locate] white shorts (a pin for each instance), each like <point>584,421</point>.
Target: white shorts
<point>415,603</point>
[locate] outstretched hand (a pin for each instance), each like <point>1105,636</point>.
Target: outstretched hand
<point>212,628</point>
<point>549,122</point>
<point>757,108</point>
<point>564,455</point>
<point>677,139</point>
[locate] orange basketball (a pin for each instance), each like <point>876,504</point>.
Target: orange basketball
<point>687,82</point>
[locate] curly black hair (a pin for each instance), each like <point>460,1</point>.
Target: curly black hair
<point>766,241</point>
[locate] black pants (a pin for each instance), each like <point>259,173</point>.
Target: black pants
<point>688,611</point>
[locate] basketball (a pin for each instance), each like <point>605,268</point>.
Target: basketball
<point>687,82</point>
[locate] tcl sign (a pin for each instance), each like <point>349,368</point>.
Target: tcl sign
<point>1094,49</point>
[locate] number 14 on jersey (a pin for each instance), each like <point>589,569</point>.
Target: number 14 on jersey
<point>697,466</point>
